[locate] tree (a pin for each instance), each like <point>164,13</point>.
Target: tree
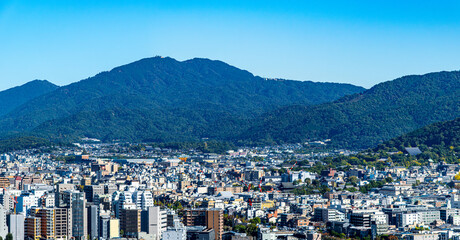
<point>255,220</point>
<point>239,228</point>
<point>457,176</point>
<point>353,180</point>
<point>9,236</point>
<point>251,230</point>
<point>389,180</point>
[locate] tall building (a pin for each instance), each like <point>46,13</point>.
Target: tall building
<point>130,222</point>
<point>60,188</point>
<point>93,190</point>
<point>114,228</point>
<point>62,220</point>
<point>32,228</point>
<point>54,223</point>
<point>154,221</point>
<point>75,201</point>
<point>15,224</point>
<point>104,225</point>
<point>93,221</point>
<point>143,199</point>
<point>124,198</point>
<point>109,228</point>
<point>195,217</point>
<point>215,220</point>
<point>6,201</point>
<point>212,219</point>
<point>3,226</point>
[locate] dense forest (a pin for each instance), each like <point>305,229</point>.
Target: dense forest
<point>366,119</point>
<point>16,96</point>
<point>20,143</point>
<point>438,142</point>
<point>161,99</point>
<point>442,134</point>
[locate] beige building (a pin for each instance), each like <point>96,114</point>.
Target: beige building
<point>114,225</point>
<point>215,220</point>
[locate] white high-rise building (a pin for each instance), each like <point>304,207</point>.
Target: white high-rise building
<point>147,200</point>
<point>3,227</point>
<point>154,222</point>
<point>16,226</point>
<point>6,201</point>
<point>143,199</point>
<point>137,198</point>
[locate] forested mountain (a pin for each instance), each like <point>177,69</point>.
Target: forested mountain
<point>363,120</point>
<point>16,96</point>
<point>163,99</point>
<point>438,142</point>
<point>442,134</point>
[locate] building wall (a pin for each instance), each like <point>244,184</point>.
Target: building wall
<point>114,228</point>
<point>3,226</point>
<point>16,226</point>
<point>130,222</point>
<point>215,220</point>
<point>154,221</point>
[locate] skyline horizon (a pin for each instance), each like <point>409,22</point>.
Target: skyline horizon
<point>267,77</point>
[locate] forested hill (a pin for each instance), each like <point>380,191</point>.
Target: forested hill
<point>16,96</point>
<point>364,120</point>
<point>163,99</point>
<point>442,134</point>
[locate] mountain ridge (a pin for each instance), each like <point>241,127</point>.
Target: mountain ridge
<point>194,93</point>
<point>14,97</point>
<point>364,119</point>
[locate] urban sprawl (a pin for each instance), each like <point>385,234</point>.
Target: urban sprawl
<point>130,191</point>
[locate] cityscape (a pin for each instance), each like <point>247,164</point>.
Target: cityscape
<point>122,190</point>
<point>229,120</point>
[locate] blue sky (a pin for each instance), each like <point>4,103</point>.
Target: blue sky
<point>358,42</point>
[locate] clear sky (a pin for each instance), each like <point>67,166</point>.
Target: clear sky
<point>358,42</point>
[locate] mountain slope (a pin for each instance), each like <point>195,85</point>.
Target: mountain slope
<point>192,99</point>
<point>445,134</point>
<point>363,120</point>
<point>16,96</point>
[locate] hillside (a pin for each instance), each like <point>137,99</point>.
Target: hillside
<point>438,142</point>
<point>442,134</point>
<point>163,99</point>
<point>16,96</point>
<point>364,120</point>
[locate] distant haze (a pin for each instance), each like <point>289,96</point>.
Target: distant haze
<point>359,42</point>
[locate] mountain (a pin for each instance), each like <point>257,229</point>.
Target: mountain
<point>363,120</point>
<point>163,99</point>
<point>438,142</point>
<point>16,96</point>
<point>445,134</point>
